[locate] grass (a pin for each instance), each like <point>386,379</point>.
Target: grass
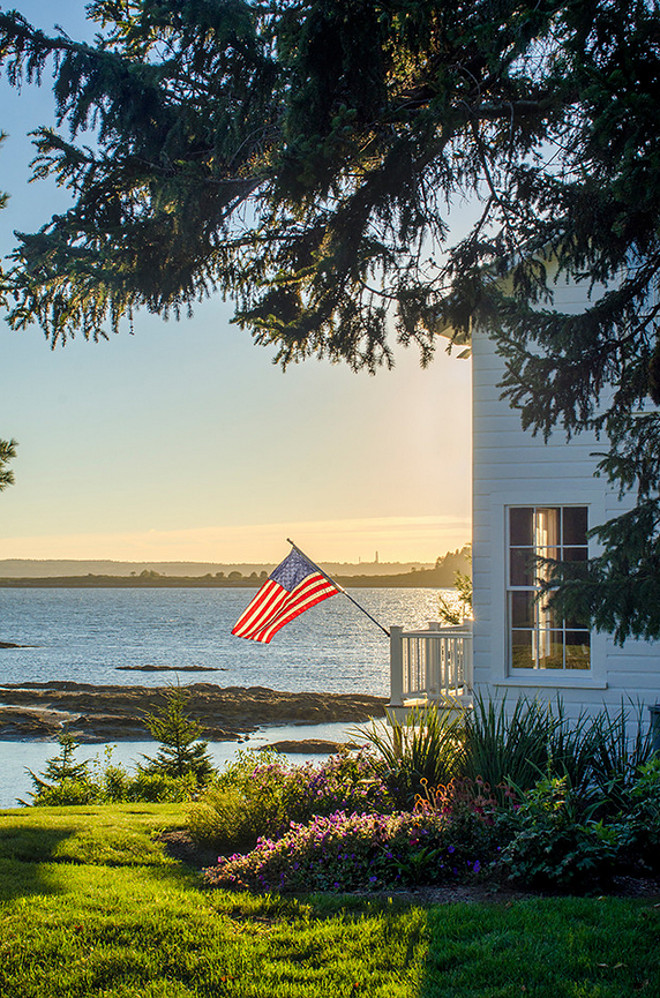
<point>91,905</point>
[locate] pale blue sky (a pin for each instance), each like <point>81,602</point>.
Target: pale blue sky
<point>185,442</point>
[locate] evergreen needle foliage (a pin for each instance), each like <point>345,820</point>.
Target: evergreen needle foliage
<point>61,767</point>
<point>181,751</point>
<point>7,453</point>
<point>307,159</point>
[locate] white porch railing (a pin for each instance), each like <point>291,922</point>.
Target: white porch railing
<point>430,665</point>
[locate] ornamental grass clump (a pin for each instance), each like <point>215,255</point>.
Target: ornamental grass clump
<point>427,745</point>
<point>513,744</point>
<point>353,852</point>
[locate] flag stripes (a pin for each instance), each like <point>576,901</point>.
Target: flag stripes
<point>274,606</point>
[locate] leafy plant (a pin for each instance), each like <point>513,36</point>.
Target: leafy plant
<point>555,845</point>
<point>353,851</point>
<point>643,816</point>
<point>617,752</point>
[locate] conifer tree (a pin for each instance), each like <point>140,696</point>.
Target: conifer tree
<point>60,767</point>
<point>309,158</point>
<point>181,751</point>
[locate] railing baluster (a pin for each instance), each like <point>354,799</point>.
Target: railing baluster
<point>430,664</point>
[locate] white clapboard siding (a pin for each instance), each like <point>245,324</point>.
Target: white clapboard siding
<point>512,467</point>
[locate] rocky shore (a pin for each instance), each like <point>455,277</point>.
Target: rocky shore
<point>39,711</point>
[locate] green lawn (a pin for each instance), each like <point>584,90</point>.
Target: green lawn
<point>90,905</point>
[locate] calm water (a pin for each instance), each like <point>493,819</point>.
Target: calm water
<point>83,635</point>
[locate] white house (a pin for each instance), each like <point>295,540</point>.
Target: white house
<point>529,497</point>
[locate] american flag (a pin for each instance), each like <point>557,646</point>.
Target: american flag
<point>291,588</point>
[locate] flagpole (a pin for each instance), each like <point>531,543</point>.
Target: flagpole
<point>340,588</point>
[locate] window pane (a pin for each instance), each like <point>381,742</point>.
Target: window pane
<point>543,571</point>
<point>575,554</point>
<point>578,652</point>
<point>548,618</point>
<point>523,572</point>
<point>522,653</point>
<point>577,559</point>
<point>551,650</point>
<point>548,522</point>
<point>576,623</point>
<point>575,525</point>
<point>522,609</point>
<point>522,526</point>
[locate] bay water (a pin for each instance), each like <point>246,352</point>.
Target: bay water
<point>86,635</point>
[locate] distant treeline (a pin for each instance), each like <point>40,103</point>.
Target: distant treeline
<point>439,577</point>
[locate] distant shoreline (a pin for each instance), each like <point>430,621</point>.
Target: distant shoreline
<point>433,578</point>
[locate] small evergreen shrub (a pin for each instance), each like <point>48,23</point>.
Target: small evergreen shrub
<point>181,751</point>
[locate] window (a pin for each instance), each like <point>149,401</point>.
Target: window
<point>538,637</point>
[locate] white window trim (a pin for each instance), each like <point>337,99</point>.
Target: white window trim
<point>595,677</point>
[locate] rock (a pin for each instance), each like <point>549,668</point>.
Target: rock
<point>116,713</point>
<point>19,723</point>
<point>167,668</point>
<point>312,746</point>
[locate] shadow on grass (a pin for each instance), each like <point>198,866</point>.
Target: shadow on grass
<point>23,851</point>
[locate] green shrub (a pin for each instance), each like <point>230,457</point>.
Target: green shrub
<point>643,817</point>
<point>94,782</point>
<point>221,817</point>
<point>67,792</point>
<point>159,788</point>
<point>554,844</point>
<point>261,795</point>
<point>116,783</point>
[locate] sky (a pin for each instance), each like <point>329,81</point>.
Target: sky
<point>184,441</point>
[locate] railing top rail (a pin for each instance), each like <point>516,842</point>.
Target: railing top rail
<point>443,633</point>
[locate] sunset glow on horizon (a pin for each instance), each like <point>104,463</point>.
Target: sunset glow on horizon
<point>394,539</point>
